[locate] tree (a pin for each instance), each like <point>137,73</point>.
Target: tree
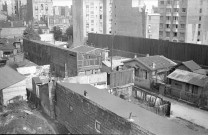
<point>69,32</point>
<point>57,32</point>
<point>30,34</point>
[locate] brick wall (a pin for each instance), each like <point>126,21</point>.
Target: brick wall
<point>42,53</point>
<point>79,115</point>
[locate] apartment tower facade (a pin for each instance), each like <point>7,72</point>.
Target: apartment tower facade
<point>184,21</point>
<point>90,16</point>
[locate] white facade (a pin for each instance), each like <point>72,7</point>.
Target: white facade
<point>42,8</point>
<point>91,16</point>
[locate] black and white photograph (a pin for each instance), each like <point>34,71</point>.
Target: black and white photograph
<point>123,67</point>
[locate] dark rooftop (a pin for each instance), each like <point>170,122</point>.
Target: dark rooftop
<point>148,120</point>
<point>160,62</point>
<point>191,65</point>
<point>9,77</point>
<point>189,77</point>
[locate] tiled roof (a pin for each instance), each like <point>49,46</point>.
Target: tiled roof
<point>189,77</point>
<point>191,65</point>
<point>143,118</point>
<point>7,47</point>
<point>8,77</point>
<point>160,62</point>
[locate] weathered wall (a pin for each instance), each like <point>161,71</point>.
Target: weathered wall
<point>127,20</point>
<point>18,89</point>
<point>44,97</point>
<point>131,45</point>
<point>42,53</point>
<point>79,114</point>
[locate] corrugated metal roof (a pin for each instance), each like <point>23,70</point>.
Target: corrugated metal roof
<point>160,62</point>
<point>8,77</point>
<point>189,77</point>
<point>144,118</point>
<point>201,71</point>
<point>6,47</point>
<point>191,65</point>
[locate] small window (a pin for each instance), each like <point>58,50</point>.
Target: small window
<point>183,10</point>
<point>97,126</point>
<point>199,18</point>
<point>162,2</point>
<point>199,26</point>
<point>200,11</point>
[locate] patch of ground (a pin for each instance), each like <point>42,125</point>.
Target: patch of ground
<point>18,118</point>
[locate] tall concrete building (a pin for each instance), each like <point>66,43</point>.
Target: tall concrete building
<point>90,16</point>
<point>128,18</point>
<point>184,20</point>
<point>39,9</point>
<point>152,25</point>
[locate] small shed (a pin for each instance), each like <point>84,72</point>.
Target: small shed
<point>188,86</point>
<point>12,84</point>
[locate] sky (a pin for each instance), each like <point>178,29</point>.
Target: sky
<point>62,3</point>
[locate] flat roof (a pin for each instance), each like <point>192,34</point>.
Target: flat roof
<point>143,118</point>
<point>85,49</point>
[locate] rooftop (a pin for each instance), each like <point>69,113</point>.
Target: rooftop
<point>189,77</point>
<point>9,77</point>
<point>85,49</point>
<point>191,65</point>
<point>160,62</point>
<point>148,120</point>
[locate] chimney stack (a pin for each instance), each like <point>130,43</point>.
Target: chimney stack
<point>85,93</point>
<point>153,65</point>
<point>147,55</point>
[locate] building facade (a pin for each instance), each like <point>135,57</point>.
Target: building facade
<point>39,9</point>
<point>128,18</point>
<point>152,25</point>
<point>90,16</point>
<point>184,21</point>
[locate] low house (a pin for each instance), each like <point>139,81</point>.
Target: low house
<point>150,70</point>
<point>89,59</point>
<point>191,66</point>
<point>84,109</point>
<point>7,49</point>
<point>12,84</point>
<point>189,86</point>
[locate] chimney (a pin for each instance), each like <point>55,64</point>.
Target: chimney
<point>85,93</point>
<point>130,117</point>
<point>153,65</point>
<point>147,55</point>
<point>135,56</point>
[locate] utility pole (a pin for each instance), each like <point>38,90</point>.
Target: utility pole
<point>112,40</point>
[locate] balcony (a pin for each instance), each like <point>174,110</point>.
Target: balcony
<point>168,14</point>
<point>176,6</point>
<point>175,29</point>
<point>168,22</point>
<point>175,22</point>
<point>175,14</point>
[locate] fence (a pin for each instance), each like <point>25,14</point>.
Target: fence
<point>143,46</point>
<point>152,101</point>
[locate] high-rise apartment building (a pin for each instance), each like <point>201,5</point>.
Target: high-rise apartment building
<point>128,18</point>
<point>90,16</point>
<point>39,9</point>
<point>184,21</point>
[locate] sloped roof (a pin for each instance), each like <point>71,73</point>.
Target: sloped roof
<point>160,62</point>
<point>201,71</point>
<point>191,65</point>
<point>145,119</point>
<point>6,47</point>
<point>189,77</point>
<point>9,77</point>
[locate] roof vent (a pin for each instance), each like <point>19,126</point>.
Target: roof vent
<point>153,65</point>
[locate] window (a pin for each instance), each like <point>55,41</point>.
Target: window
<point>183,10</point>
<point>199,18</point>
<point>97,126</point>
<point>175,34</point>
<point>168,25</point>
<point>149,17</point>
<point>161,26</point>
<point>168,34</point>
<point>182,26</point>
<point>168,2</point>
<point>199,26</point>
<point>198,33</point>
<point>41,6</point>
<point>195,90</point>
<point>101,17</point>
<point>162,2</point>
<point>200,11</point>
<point>178,85</point>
